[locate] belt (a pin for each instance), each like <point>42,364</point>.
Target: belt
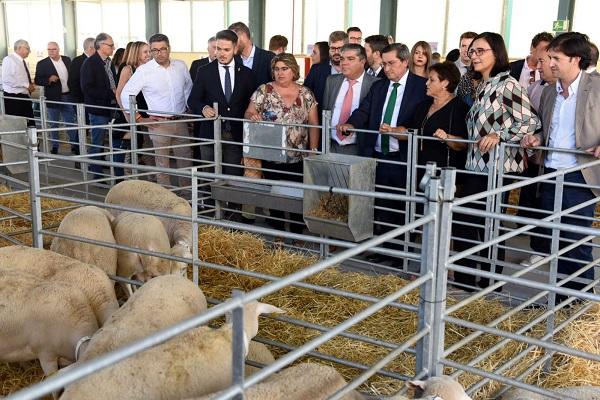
<point>159,118</point>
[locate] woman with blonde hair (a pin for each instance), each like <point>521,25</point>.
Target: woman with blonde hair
<point>420,59</point>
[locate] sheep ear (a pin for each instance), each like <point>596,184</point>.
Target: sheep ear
<point>264,308</point>
<point>416,384</point>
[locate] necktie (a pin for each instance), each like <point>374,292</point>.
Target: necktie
<point>371,72</point>
<point>111,78</point>
<point>346,105</point>
<point>228,90</point>
<point>387,118</point>
<point>27,72</point>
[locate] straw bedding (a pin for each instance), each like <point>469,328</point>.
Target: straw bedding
<point>249,252</point>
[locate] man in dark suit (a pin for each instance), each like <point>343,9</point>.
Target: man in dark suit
<point>343,93</point>
<point>317,76</point>
<point>389,106</point>
<point>253,57</point>
<point>211,48</point>
<point>53,74</point>
<point>75,70</point>
<point>374,45</point>
<point>98,87</point>
<point>525,70</point>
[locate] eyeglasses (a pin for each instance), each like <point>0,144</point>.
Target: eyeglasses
<point>161,50</point>
<point>111,45</point>
<point>478,52</point>
<point>335,49</point>
<point>52,49</point>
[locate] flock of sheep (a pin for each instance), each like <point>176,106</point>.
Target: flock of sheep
<point>59,306</point>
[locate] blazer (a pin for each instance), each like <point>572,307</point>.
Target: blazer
<point>75,78</point>
<point>516,67</point>
<point>334,83</point>
<point>368,114</point>
<point>96,86</point>
<point>197,64</point>
<point>43,71</point>
<point>261,66</point>
<point>316,80</point>
<point>207,89</point>
<point>587,121</point>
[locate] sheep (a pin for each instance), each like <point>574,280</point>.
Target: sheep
<point>151,196</point>
<point>91,223</point>
<point>42,320</point>
<point>161,302</point>
<point>259,353</point>
<point>51,266</point>
<point>577,392</point>
<point>148,233</point>
<point>307,381</point>
<point>193,364</point>
<point>440,387</point>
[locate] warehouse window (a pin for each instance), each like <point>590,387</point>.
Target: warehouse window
<point>585,20</point>
<point>523,27</point>
<point>421,20</point>
<point>48,25</point>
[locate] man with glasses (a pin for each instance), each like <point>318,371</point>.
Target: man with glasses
<point>354,35</point>
<point>98,87</point>
<point>16,82</point>
<point>166,85</point>
<point>53,74</point>
<point>317,77</point>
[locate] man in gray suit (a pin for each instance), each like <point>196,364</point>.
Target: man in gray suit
<point>570,120</point>
<point>343,94</point>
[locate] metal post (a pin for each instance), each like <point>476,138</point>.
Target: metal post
<point>81,133</point>
<point>413,177</point>
<point>429,257</point>
<point>133,134</point>
<point>218,156</point>
<point>495,223</point>
<point>238,350</point>
<point>326,131</point>
<point>195,258</point>
<point>2,110</point>
<point>44,124</point>
<point>491,184</point>
<point>111,149</point>
<point>34,188</point>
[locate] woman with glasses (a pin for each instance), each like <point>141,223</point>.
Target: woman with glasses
<point>501,112</point>
<point>420,59</point>
<point>284,100</point>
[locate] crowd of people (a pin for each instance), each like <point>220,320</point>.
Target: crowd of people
<point>373,83</point>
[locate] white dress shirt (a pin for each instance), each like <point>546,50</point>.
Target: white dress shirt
<point>375,72</point>
<point>231,66</point>
<point>562,128</point>
<point>14,76</point>
<point>337,108</point>
<point>63,74</point>
<point>165,89</point>
<point>462,67</point>
<point>333,70</point>
<point>249,62</point>
<point>525,76</point>
<point>400,94</point>
<point>534,91</point>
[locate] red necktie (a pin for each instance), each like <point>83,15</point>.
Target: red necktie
<point>346,106</point>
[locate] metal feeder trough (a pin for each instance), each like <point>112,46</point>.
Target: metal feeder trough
<point>271,136</point>
<point>340,171</point>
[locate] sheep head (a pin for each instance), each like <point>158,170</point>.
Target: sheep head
<point>442,386</point>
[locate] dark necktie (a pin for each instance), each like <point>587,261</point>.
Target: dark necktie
<point>387,118</point>
<point>228,90</point>
<point>27,72</point>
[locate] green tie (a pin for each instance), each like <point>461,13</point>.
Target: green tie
<point>387,118</point>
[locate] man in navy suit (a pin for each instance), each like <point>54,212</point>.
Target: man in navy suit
<point>317,76</point>
<point>253,57</point>
<point>374,45</point>
<point>388,107</point>
<point>53,74</point>
<point>211,48</point>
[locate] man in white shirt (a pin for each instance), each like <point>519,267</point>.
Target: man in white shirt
<point>53,74</point>
<point>464,61</point>
<point>166,85</point>
<point>16,82</point>
<point>525,70</point>
<point>253,57</point>
<point>343,94</point>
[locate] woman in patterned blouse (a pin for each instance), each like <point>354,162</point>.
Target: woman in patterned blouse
<point>284,100</point>
<point>501,112</point>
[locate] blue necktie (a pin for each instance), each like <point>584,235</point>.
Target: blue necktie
<point>228,90</point>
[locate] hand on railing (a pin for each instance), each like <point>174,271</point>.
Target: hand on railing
<point>595,151</point>
<point>394,131</point>
<point>530,141</point>
<point>342,131</point>
<point>253,117</point>
<point>488,142</point>
<point>209,112</point>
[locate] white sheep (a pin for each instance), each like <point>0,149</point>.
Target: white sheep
<point>307,381</point>
<point>41,320</point>
<point>91,223</point>
<point>161,302</point>
<point>51,266</point>
<point>437,387</point>
<point>193,364</point>
<point>144,232</point>
<point>146,195</point>
<point>577,392</point>
<point>259,353</point>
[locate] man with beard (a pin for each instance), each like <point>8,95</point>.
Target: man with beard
<point>253,57</point>
<point>317,77</point>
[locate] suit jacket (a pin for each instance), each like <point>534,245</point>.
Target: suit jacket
<point>587,121</point>
<point>197,64</point>
<point>368,114</point>
<point>261,66</point>
<point>207,89</point>
<point>381,74</point>
<point>334,83</point>
<point>43,71</point>
<point>316,80</point>
<point>516,67</point>
<point>75,78</point>
<point>96,86</point>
